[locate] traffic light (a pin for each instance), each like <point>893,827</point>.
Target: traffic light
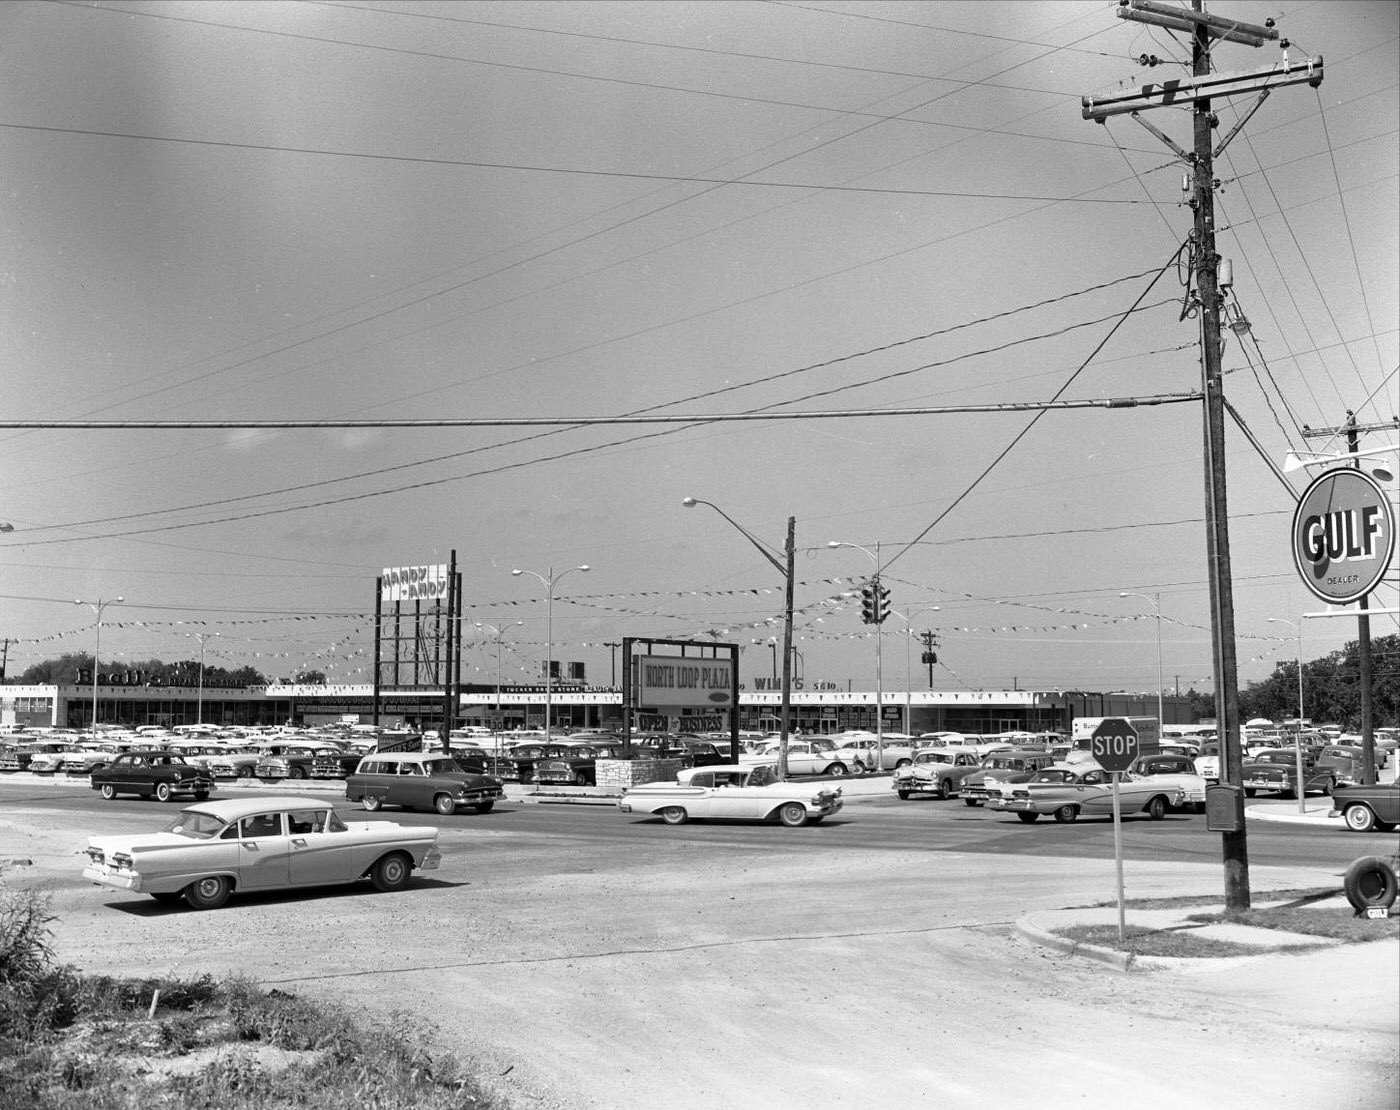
<point>882,603</point>
<point>867,604</point>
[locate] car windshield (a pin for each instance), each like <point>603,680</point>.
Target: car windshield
<point>442,766</point>
<point>196,825</point>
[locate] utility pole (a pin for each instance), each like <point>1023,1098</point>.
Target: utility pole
<point>1200,161</point>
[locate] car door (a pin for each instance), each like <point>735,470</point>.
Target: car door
<point>264,852</point>
<point>1095,793</point>
<point>317,853</point>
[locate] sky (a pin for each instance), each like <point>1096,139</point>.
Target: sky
<point>418,211</point>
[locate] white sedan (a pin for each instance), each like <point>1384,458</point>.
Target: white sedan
<point>733,791</point>
<point>261,843</point>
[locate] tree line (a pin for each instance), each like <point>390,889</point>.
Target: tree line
<point>75,669</point>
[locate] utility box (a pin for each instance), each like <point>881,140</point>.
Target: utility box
<point>1224,808</point>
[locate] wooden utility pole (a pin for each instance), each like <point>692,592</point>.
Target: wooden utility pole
<point>1200,160</point>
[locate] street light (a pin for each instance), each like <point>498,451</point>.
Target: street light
<point>549,583</point>
<point>908,663</point>
<point>199,704</point>
<point>879,677</point>
<point>784,567</point>
<point>498,633</point>
<point>97,607</point>
<point>1156,601</point>
<point>1298,739</point>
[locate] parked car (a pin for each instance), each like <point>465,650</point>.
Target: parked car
<point>578,766</point>
<point>859,753</point>
<point>1164,769</point>
<point>236,762</point>
<point>152,773</point>
<point>290,760</point>
<point>937,772</point>
<point>518,764</point>
<point>804,757</point>
<point>334,763</point>
<point>1000,767</point>
<point>213,849</point>
<point>420,780</point>
<point>1067,790</point>
<point>1276,771</point>
<point>1207,761</point>
<point>732,791</point>
<point>1364,808</point>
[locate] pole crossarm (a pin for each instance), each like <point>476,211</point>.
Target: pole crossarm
<point>1190,90</point>
<point>1182,19</point>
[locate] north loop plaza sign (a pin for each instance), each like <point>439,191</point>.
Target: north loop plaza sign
<point>1343,535</point>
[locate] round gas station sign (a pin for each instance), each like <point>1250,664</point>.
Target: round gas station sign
<point>1343,535</point>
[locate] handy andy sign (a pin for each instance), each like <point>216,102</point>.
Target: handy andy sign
<point>672,680</point>
<point>414,583</point>
<point>1343,535</point>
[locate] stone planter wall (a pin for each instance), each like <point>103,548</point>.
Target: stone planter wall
<point>615,775</point>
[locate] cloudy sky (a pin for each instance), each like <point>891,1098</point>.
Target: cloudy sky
<point>254,212</point>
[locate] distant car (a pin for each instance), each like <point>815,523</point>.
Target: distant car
<point>1276,771</point>
<point>862,753</point>
<point>804,757</point>
<point>1364,808</point>
<point>935,772</point>
<point>152,773</point>
<point>420,780</point>
<point>732,791</point>
<point>578,766</point>
<point>1068,790</point>
<point>212,849</point>
<point>1000,767</point>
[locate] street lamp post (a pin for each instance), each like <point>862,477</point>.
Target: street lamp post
<point>784,567</point>
<point>879,677</point>
<point>97,607</point>
<point>909,665</point>
<point>199,703</point>
<point>549,582</point>
<point>1298,739</point>
<point>1156,601</point>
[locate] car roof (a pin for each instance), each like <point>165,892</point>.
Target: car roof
<point>231,809</point>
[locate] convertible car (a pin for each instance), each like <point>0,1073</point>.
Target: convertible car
<point>261,843</point>
<point>735,791</point>
<point>1067,790</point>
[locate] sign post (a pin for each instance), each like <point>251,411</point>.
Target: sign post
<point>1114,745</point>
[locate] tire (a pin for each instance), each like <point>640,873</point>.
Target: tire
<point>163,792</point>
<point>836,771</point>
<point>391,872</point>
<point>1370,881</point>
<point>109,791</point>
<point>1065,814</point>
<point>1358,818</point>
<point>1031,817</point>
<point>904,795</point>
<point>902,763</point>
<point>857,769</point>
<point>945,789</point>
<point>208,893</point>
<point>167,897</point>
<point>244,772</point>
<point>972,802</point>
<point>201,795</point>
<point>444,804</point>
<point>370,802</point>
<point>485,807</point>
<point>674,815</point>
<point>1249,792</point>
<point>792,814</point>
<point>1328,787</point>
<point>296,772</point>
<point>1157,807</point>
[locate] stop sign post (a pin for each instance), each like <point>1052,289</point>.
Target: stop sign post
<point>1114,744</point>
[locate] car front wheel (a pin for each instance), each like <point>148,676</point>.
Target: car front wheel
<point>674,815</point>
<point>444,804</point>
<point>109,792</point>
<point>391,872</point>
<point>1065,814</point>
<point>1358,818</point>
<point>244,772</point>
<point>162,792</point>
<point>484,807</point>
<point>793,815</point>
<point>945,789</point>
<point>208,893</point>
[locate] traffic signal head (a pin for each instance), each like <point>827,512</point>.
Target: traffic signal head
<point>882,602</point>
<point>867,604</point>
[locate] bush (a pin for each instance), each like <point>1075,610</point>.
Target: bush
<point>25,955</point>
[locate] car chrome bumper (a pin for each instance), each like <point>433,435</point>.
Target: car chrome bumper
<point>106,876</point>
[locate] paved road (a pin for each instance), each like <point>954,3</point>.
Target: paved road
<point>592,960</point>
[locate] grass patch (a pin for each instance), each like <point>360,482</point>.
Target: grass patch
<point>1157,942</point>
<point>75,1042</point>
<point>1337,925</point>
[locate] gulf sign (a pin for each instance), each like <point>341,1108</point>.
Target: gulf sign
<point>673,681</point>
<point>414,583</point>
<point>1343,535</point>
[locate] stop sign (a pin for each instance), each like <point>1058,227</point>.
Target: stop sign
<point>1114,744</point>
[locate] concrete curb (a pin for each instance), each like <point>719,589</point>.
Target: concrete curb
<point>1029,930</point>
